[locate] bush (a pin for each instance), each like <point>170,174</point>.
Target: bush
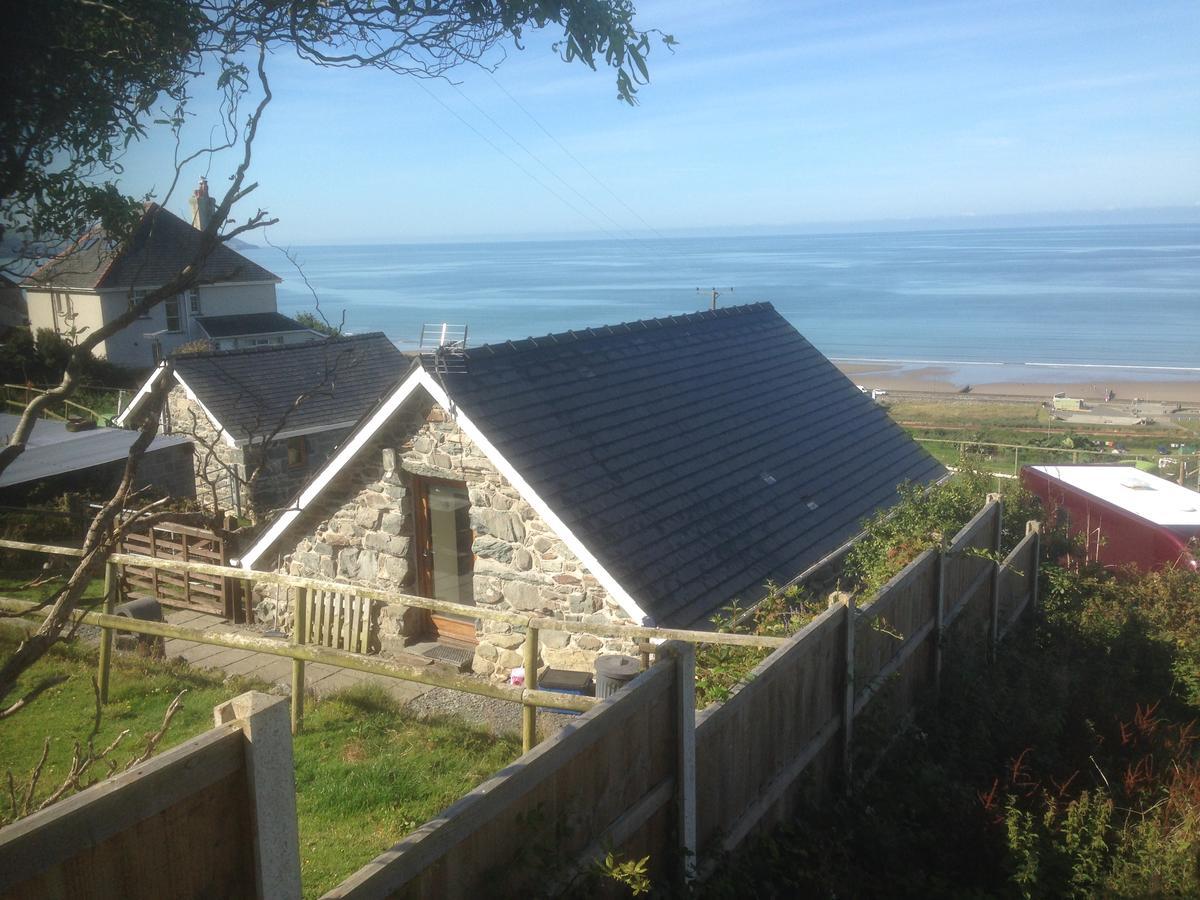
<point>926,515</point>
<point>24,360</point>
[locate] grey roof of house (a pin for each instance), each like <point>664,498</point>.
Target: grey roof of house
<point>696,456</point>
<point>52,450</point>
<point>251,391</point>
<point>162,245</point>
<point>247,324</point>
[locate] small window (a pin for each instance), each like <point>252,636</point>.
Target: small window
<point>194,301</point>
<point>260,342</point>
<point>297,453</point>
<point>135,298</point>
<point>174,318</point>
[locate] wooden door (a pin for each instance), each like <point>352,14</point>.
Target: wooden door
<point>445,561</point>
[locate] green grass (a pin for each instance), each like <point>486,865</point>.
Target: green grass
<point>366,772</point>
<point>15,586</point>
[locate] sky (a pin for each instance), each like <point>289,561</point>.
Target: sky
<point>766,116</point>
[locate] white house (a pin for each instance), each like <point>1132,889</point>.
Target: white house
<point>94,282</point>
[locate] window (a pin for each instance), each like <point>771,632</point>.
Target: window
<point>297,453</point>
<point>135,298</point>
<point>260,342</point>
<point>174,317</point>
<point>194,301</point>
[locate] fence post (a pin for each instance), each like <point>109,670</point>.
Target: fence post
<point>1035,527</point>
<point>939,628</point>
<point>848,696</point>
<point>528,711</point>
<point>271,778</point>
<point>299,636</point>
<point>684,655</point>
<point>997,543</point>
<point>112,585</point>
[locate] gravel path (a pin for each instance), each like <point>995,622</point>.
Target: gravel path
<point>497,716</point>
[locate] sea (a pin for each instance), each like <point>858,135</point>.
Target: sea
<point>1014,304</point>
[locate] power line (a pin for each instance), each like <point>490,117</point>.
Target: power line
<point>483,112</point>
<point>528,173</point>
<point>633,212</point>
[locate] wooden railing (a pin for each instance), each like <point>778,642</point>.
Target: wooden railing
<point>302,648</point>
<point>18,396</point>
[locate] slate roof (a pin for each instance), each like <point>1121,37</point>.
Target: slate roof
<point>685,452</point>
<point>59,451</point>
<point>161,246</point>
<point>249,391</point>
<point>247,324</point>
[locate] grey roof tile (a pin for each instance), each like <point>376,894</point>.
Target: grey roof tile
<point>161,246</point>
<point>649,440</point>
<point>250,391</point>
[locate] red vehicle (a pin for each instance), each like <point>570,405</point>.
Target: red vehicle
<point>1125,516</point>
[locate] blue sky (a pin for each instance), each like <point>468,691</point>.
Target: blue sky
<point>767,115</point>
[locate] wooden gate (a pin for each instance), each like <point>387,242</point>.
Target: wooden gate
<point>215,594</point>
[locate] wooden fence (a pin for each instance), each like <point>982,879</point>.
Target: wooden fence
<point>607,781</point>
<point>212,817</point>
<point>620,780</point>
<point>642,774</point>
<point>220,595</point>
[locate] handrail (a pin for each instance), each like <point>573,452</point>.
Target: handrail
<point>644,632</point>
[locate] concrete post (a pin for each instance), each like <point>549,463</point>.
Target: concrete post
<point>684,656</point>
<point>271,776</point>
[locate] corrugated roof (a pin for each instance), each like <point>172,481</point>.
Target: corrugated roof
<point>247,324</point>
<point>162,245</point>
<point>53,450</point>
<point>251,391</point>
<point>696,456</point>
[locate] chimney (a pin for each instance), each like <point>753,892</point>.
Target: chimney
<point>203,206</point>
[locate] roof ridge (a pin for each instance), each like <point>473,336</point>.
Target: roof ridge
<point>281,348</point>
<point>572,336</point>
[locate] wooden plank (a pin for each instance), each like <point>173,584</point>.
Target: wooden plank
<point>963,599</point>
<point>63,830</point>
<point>616,834</point>
<point>907,649</point>
<point>352,643</point>
<point>779,785</point>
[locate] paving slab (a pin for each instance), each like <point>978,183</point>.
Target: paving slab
<point>225,657</point>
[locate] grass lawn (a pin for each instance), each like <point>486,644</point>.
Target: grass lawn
<point>366,772</point>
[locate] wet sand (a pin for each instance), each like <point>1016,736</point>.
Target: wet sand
<point>937,379</point>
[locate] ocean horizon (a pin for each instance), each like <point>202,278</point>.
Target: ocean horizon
<point>1000,304</point>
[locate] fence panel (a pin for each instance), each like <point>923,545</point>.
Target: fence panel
<point>968,573</point>
<point>1018,578</point>
<point>751,749</point>
<point>186,823</point>
<point>895,636</point>
<point>606,782</point>
<point>112,841</point>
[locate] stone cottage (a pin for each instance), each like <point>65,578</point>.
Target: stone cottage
<point>281,410</point>
<point>650,472</point>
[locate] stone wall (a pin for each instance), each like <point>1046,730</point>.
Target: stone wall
<point>213,458</point>
<point>362,533</point>
<point>221,470</point>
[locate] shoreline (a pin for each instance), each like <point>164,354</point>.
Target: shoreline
<point>949,379</point>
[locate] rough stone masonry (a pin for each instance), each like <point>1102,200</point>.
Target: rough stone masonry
<point>362,533</point>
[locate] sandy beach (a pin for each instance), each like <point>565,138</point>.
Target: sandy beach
<point>896,376</point>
